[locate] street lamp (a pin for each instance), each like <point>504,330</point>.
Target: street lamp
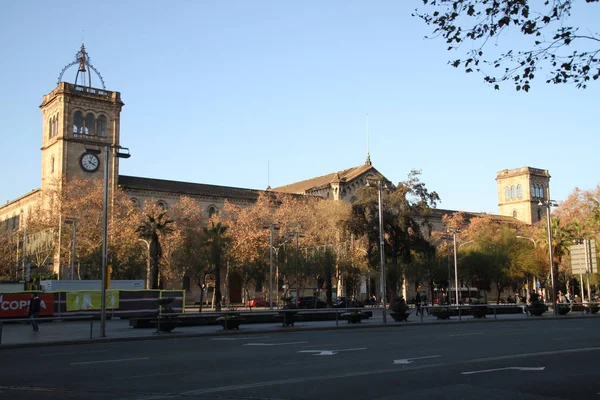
<point>147,262</point>
<point>271,228</point>
<point>297,235</point>
<point>117,153</point>
<point>455,262</point>
<point>72,221</point>
<point>550,203</point>
<point>380,186</point>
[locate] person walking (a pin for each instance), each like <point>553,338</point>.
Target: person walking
<point>418,303</point>
<point>34,311</point>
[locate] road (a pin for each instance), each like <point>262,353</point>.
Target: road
<point>552,359</point>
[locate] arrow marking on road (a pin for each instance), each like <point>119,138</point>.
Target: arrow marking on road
<point>504,369</point>
<point>329,352</point>
<point>409,360</point>
<point>272,344</point>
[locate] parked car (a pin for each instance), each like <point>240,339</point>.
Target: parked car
<point>310,302</point>
<point>346,302</point>
<point>258,302</point>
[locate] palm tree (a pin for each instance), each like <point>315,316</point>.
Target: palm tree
<point>216,241</point>
<point>152,229</point>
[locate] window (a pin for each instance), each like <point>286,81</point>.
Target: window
<point>101,126</point>
<point>56,125</point>
<point>50,126</point>
<point>519,190</point>
<point>78,122</point>
<point>507,195</point>
<point>542,190</point>
<point>513,192</point>
<point>89,124</point>
<point>162,205</point>
<point>539,212</point>
<point>211,211</point>
<point>52,164</point>
<point>135,202</point>
<point>515,214</point>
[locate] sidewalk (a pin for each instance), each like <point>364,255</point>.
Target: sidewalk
<point>70,332</point>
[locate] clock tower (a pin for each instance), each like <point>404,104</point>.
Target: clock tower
<point>78,121</point>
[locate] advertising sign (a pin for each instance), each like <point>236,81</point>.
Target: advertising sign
<point>15,305</point>
<point>91,300</point>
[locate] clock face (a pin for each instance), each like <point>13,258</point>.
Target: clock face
<point>89,162</point>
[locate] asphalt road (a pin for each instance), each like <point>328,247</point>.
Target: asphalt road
<point>553,359</point>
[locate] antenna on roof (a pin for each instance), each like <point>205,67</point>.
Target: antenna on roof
<point>368,162</point>
<point>268,175</point>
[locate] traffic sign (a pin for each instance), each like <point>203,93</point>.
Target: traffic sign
<point>583,257</point>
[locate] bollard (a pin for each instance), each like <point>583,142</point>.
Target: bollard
<point>0,332</point>
<point>459,310</point>
<point>91,328</point>
<point>336,319</point>
<point>423,311</point>
<point>495,315</point>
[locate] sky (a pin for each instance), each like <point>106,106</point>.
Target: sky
<point>257,93</point>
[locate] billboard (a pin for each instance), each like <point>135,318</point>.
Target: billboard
<point>91,300</point>
<point>15,305</point>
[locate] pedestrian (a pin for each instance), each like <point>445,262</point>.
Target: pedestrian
<point>418,303</point>
<point>34,311</point>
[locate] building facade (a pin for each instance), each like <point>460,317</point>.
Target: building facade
<point>81,135</point>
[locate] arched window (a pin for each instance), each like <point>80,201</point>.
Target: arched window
<point>162,205</point>
<point>50,125</point>
<point>52,164</point>
<point>89,124</point>
<point>56,125</point>
<point>515,214</point>
<point>101,126</point>
<point>211,211</point>
<point>507,195</point>
<point>78,122</point>
<point>519,190</point>
<point>539,212</point>
<point>135,202</point>
<point>513,192</point>
<point>542,190</point>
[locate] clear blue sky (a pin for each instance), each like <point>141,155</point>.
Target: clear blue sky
<point>217,91</point>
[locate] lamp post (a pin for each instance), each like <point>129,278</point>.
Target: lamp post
<point>455,264</point>
<point>107,150</point>
<point>535,278</point>
<point>271,227</point>
<point>147,262</point>
<point>380,186</point>
<point>297,235</point>
<point>72,221</point>
<point>550,203</point>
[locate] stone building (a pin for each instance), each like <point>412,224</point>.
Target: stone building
<point>81,122</point>
<point>520,192</point>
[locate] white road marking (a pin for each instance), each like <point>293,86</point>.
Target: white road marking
<point>74,352</point>
<point>504,369</point>
<point>409,360</point>
<point>272,344</point>
<point>329,352</point>
<point>467,334</point>
<point>240,338</point>
<point>110,361</point>
<point>124,378</point>
<point>525,355</point>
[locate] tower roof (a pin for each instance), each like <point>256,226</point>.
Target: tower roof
<point>84,70</point>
